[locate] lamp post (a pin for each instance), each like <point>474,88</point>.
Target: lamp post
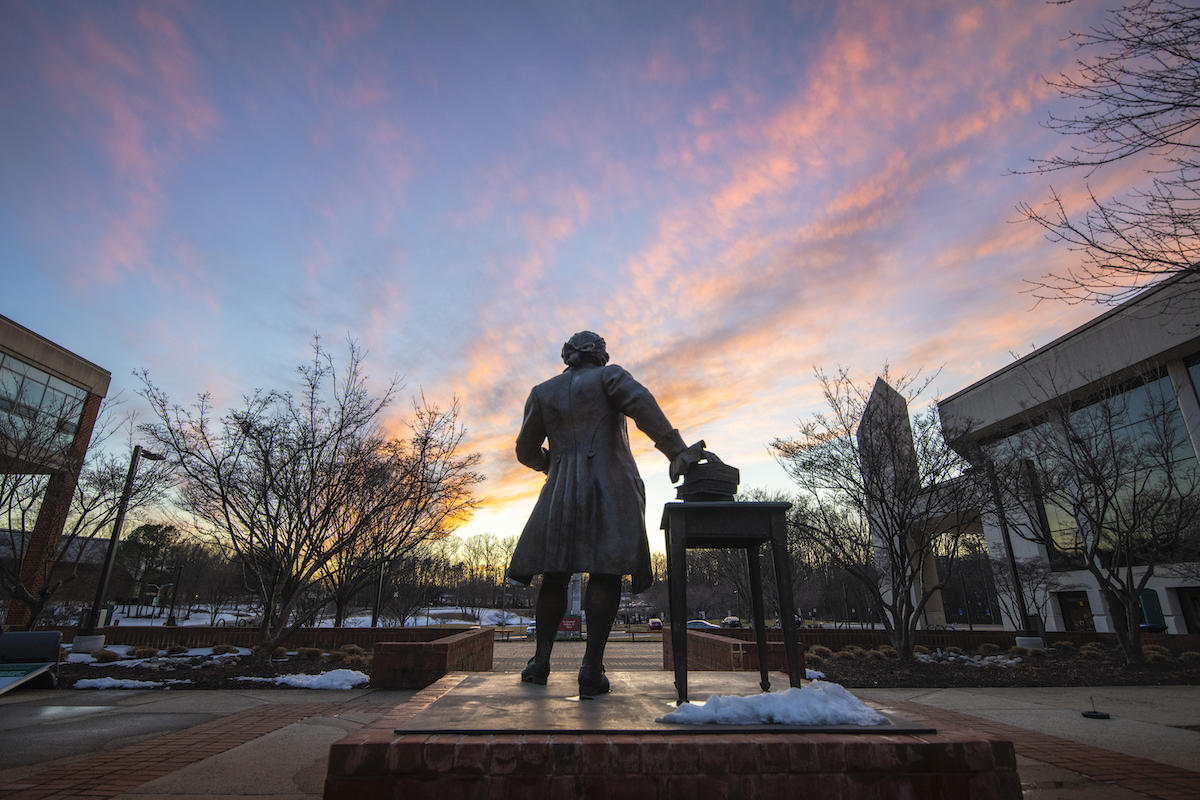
<point>87,639</point>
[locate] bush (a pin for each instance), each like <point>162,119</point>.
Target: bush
<point>889,651</point>
<point>335,657</point>
<point>176,650</point>
<point>1090,652</point>
<point>955,650</point>
<point>922,649</point>
<point>1155,657</point>
<point>875,655</point>
<point>310,653</point>
<point>352,650</point>
<point>816,661</point>
<point>222,649</point>
<point>1065,644</point>
<point>1158,649</point>
<point>1018,652</point>
<point>820,651</point>
<point>988,649</point>
<point>1037,652</point>
<point>106,656</point>
<point>855,649</point>
<point>845,655</point>
<point>279,653</point>
<point>1189,657</point>
<point>142,652</point>
<point>357,661</point>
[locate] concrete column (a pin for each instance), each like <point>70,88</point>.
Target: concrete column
<point>41,552</point>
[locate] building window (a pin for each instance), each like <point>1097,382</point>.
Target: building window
<point>38,412</point>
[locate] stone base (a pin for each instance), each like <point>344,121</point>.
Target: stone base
<point>486,736</point>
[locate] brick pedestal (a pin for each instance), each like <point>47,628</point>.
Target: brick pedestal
<point>378,762</point>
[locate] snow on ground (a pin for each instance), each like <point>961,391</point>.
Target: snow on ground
<point>819,703</point>
<point>444,615</point>
<point>814,675</point>
<point>334,679</point>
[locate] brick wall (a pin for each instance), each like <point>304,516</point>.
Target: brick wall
<point>415,665</point>
<point>734,650</point>
<point>327,638</point>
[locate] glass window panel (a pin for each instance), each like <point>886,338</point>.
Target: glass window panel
<point>70,390</point>
<point>10,383</point>
<point>31,393</point>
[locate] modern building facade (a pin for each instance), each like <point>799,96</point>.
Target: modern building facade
<point>1091,443</point>
<point>49,400</point>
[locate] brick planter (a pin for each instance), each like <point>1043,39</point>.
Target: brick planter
<point>730,651</point>
<point>416,664</point>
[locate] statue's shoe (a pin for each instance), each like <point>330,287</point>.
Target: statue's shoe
<point>592,681</point>
<point>536,672</point>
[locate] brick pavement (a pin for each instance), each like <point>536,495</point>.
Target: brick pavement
<point>110,773</point>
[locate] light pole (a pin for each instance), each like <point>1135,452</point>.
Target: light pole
<point>90,639</point>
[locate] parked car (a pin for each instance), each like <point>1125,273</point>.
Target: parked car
<point>655,624</point>
<point>731,622</point>
<point>701,625</point>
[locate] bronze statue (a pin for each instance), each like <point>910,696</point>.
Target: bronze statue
<point>591,513</point>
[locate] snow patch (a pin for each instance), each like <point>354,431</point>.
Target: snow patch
<point>819,703</point>
<point>813,674</point>
<point>334,679</point>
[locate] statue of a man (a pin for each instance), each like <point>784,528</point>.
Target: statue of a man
<point>591,514</point>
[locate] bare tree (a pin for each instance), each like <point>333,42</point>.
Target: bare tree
<point>1135,95</point>
<point>1108,484</point>
<point>93,504</point>
<point>880,502</point>
<point>416,491</point>
<point>294,481</point>
<point>1035,579</point>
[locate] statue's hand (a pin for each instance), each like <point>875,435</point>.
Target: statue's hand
<point>687,459</point>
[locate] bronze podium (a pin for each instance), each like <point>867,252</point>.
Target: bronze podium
<point>725,524</point>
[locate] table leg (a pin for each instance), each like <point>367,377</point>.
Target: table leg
<point>677,598</point>
<point>787,605</point>
<point>760,622</point>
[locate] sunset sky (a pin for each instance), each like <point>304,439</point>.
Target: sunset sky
<point>730,193</point>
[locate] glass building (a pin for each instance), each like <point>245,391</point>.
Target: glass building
<point>1093,440</point>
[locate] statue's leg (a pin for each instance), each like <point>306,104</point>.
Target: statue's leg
<point>601,602</point>
<point>551,606</point>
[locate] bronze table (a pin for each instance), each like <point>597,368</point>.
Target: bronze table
<point>739,525</point>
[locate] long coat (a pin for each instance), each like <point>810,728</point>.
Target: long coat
<point>591,513</point>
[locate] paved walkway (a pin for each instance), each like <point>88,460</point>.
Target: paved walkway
<point>272,744</point>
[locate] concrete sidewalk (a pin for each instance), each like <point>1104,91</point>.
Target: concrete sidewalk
<point>273,744</point>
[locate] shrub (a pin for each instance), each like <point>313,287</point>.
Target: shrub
<point>1155,657</point>
<point>1157,649</point>
<point>335,657</point>
<point>816,661</point>
<point>1189,657</point>
<point>357,661</point>
<point>352,650</point>
<point>988,649</point>
<point>176,650</point>
<point>106,656</point>
<point>954,650</point>
<point>875,655</point>
<point>845,655</point>
<point>1037,652</point>
<point>279,653</point>
<point>142,652</point>
<point>1065,644</point>
<point>222,649</point>
<point>1017,652</point>
<point>853,648</point>
<point>922,649</point>
<point>889,651</point>
<point>820,651</point>
<point>309,652</point>
<point>1090,652</point>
